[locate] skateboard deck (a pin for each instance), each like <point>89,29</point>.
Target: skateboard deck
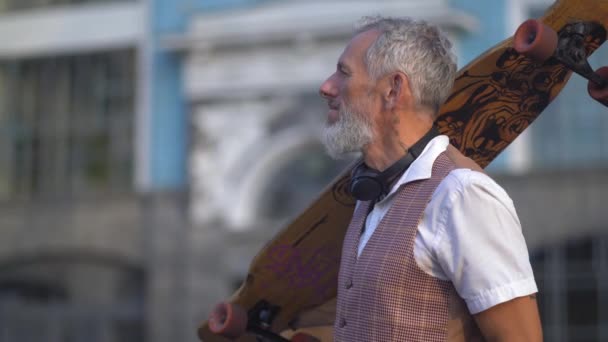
<point>494,99</point>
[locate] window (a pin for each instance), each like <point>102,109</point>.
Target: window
<point>12,5</point>
<point>572,280</point>
<point>67,125</point>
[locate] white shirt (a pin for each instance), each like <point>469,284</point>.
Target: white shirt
<point>469,234</point>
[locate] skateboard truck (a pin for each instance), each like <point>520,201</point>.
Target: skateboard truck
<point>260,320</point>
<point>571,52</point>
<point>232,321</point>
<point>540,42</point>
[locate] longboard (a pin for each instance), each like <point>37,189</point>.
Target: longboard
<point>494,99</point>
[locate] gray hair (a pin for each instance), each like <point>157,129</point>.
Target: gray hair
<point>418,49</point>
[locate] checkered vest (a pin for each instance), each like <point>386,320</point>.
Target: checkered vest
<point>383,295</point>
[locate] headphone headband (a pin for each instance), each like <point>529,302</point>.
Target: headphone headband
<point>368,184</point>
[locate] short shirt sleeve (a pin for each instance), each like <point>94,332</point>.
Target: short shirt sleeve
<point>479,244</point>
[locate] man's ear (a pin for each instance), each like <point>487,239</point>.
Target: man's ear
<point>397,90</point>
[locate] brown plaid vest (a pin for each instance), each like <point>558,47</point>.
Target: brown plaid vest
<point>383,295</point>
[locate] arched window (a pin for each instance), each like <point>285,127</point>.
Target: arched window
<point>295,184</point>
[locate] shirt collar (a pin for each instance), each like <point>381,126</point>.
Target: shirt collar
<point>422,167</point>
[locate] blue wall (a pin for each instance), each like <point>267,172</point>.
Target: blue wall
<point>491,17</point>
<point>168,108</point>
<point>169,113</point>
<point>168,122</point>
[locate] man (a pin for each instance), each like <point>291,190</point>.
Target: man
<point>455,269</point>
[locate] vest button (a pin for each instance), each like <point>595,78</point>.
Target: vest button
<point>342,322</point>
<point>349,284</point>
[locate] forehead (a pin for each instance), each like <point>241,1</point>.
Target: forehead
<point>357,47</point>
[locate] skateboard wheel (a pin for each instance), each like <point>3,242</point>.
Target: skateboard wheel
<point>598,93</point>
<point>535,40</point>
<point>302,337</point>
<point>228,320</point>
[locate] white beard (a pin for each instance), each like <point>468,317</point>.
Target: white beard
<point>349,134</point>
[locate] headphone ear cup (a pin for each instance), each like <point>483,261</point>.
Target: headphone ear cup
<point>365,188</point>
<point>365,185</point>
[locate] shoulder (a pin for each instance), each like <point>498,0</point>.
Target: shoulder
<point>470,190</point>
<point>463,195</point>
<point>461,180</point>
<point>466,179</point>
<point>467,176</point>
<point>460,160</point>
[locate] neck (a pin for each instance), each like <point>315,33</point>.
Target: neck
<point>394,136</point>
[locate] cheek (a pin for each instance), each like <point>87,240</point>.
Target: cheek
<point>364,101</point>
<point>350,94</point>
<point>371,107</point>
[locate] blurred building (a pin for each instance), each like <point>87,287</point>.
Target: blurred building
<point>151,147</point>
<point>92,180</point>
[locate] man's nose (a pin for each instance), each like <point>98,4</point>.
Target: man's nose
<point>328,89</point>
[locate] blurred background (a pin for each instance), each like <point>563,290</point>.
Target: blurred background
<point>148,149</point>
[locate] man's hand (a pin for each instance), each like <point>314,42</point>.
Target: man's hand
<point>515,320</point>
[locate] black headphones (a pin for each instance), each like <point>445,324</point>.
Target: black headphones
<point>368,184</point>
